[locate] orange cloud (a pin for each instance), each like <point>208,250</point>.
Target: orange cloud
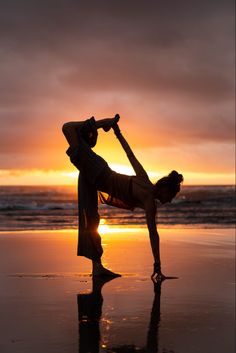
<point>172,84</point>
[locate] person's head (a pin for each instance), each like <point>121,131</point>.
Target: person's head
<point>166,188</point>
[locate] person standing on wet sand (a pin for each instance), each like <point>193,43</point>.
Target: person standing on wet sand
<point>122,190</point>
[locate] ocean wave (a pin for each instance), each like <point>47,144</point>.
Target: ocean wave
<point>38,207</point>
<point>56,207</point>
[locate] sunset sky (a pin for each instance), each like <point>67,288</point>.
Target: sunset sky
<point>167,67</point>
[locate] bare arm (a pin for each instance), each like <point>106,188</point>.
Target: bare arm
<point>143,193</point>
<point>138,168</point>
<point>150,209</point>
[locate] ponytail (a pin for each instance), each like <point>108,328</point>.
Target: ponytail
<point>172,181</point>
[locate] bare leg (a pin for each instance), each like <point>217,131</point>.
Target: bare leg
<point>100,270</point>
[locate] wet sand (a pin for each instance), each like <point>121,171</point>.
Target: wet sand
<point>49,304</point>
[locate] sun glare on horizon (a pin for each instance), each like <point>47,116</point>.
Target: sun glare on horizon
<point>68,177</point>
<point>111,229</point>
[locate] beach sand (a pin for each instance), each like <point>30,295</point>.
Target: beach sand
<point>45,289</point>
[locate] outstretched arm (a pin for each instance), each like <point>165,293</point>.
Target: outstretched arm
<point>150,209</point>
<point>138,168</point>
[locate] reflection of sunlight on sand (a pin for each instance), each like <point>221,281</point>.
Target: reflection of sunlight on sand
<point>105,228</point>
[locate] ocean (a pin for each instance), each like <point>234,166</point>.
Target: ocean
<point>55,207</point>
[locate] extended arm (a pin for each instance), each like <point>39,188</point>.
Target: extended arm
<point>137,166</point>
<point>150,209</point>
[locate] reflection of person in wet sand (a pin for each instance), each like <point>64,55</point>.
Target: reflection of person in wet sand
<point>122,190</point>
<point>89,315</point>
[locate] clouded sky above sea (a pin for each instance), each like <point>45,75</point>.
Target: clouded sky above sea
<point>166,66</point>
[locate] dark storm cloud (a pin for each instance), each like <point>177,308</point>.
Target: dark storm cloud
<point>179,46</point>
<point>168,59</point>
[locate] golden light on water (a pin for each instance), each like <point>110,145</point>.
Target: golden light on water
<point>111,229</point>
<point>68,177</point>
<point>73,175</point>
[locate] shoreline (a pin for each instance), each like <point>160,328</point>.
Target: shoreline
<point>45,288</point>
<point>56,250</point>
<point>127,226</point>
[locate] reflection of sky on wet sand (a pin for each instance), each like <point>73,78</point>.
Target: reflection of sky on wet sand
<point>39,309</point>
<point>187,324</point>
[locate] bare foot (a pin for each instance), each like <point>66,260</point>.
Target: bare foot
<point>99,270</point>
<point>111,122</point>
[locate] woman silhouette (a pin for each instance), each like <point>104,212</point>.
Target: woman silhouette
<point>122,190</point>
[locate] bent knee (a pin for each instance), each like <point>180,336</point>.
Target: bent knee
<point>65,128</point>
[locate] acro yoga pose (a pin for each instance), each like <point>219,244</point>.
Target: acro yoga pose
<point>122,190</point>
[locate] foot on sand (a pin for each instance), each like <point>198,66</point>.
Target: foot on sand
<point>99,270</point>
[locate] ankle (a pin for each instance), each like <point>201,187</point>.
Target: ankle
<point>97,264</point>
